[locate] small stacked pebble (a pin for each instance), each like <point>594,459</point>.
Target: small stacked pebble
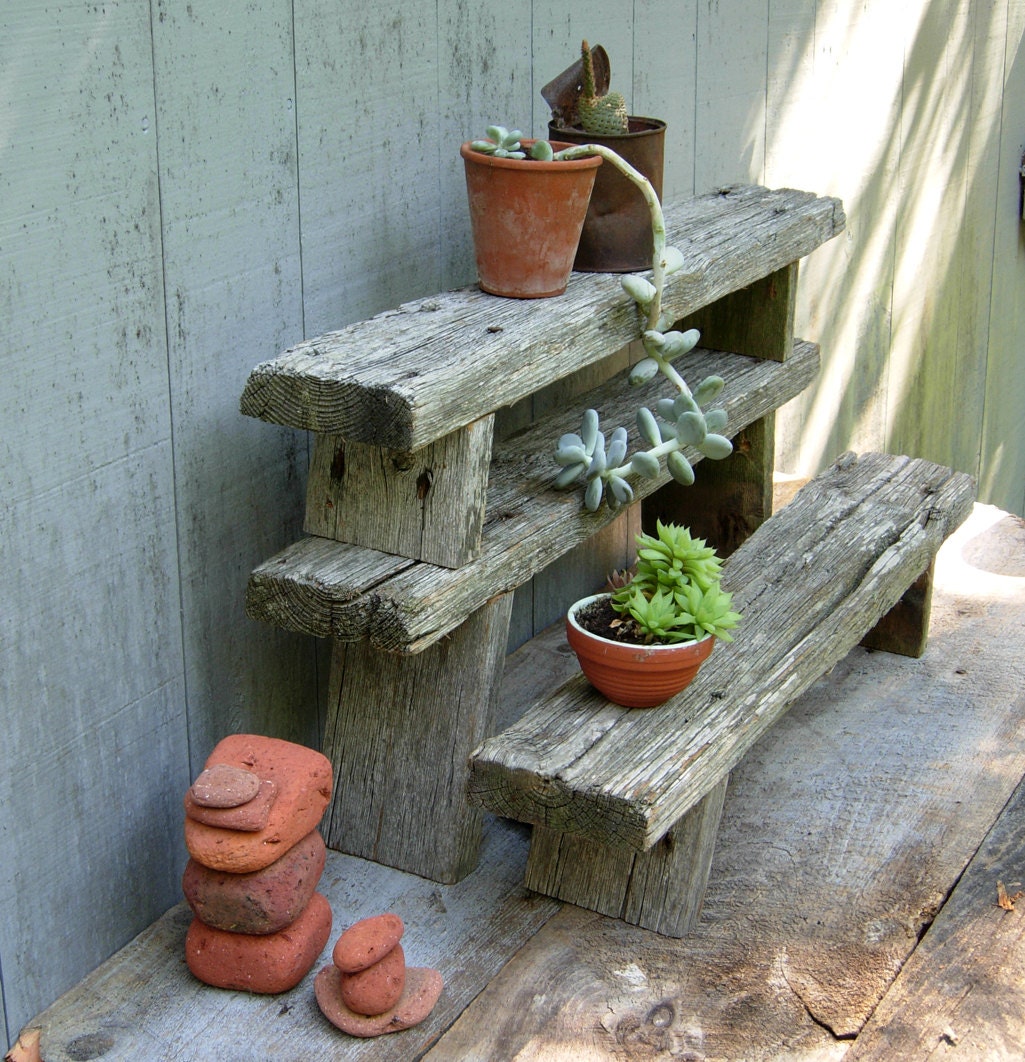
<point>368,989</point>
<point>251,822</point>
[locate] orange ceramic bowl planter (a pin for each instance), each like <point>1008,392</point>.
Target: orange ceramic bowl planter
<point>634,676</point>
<point>526,217</point>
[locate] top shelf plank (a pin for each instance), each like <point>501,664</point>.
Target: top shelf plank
<point>411,375</point>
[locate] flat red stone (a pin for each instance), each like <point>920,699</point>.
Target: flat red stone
<point>303,780</point>
<point>224,786</point>
<point>265,964</point>
<point>251,816</point>
<point>366,942</point>
<point>265,901</point>
<point>377,988</point>
<point>423,987</point>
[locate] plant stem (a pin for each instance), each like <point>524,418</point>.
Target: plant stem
<point>658,221</point>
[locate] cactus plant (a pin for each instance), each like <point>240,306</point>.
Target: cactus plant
<point>600,115</point>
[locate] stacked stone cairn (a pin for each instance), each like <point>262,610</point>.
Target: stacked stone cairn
<point>368,990</point>
<point>251,821</point>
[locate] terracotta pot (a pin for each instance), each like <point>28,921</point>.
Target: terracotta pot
<point>617,230</point>
<point>634,676</point>
<point>526,218</point>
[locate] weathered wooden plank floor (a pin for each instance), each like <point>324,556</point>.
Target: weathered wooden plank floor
<point>851,911</point>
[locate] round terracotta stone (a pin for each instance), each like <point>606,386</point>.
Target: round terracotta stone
<point>377,988</point>
<point>421,992</point>
<point>267,964</point>
<point>366,942</point>
<point>251,816</point>
<point>224,786</point>
<point>303,780</point>
<point>263,902</point>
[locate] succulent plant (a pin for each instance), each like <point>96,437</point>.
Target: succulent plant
<point>675,593</point>
<point>505,144</point>
<point>601,115</point>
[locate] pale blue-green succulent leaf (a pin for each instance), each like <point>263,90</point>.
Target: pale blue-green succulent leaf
<point>677,343</point>
<point>680,468</point>
<point>648,427</point>
<point>666,408</point>
<point>640,290</point>
<point>690,429</point>
<point>708,389</point>
<point>569,439</point>
<point>589,429</point>
<point>645,464</point>
<point>542,151</point>
<point>683,403</point>
<point>598,463</point>
<point>653,340</point>
<point>672,259</point>
<point>592,496</point>
<point>620,490</point>
<point>569,475</point>
<point>643,371</point>
<point>617,448</point>
<point>571,455</point>
<point>716,447</point>
<point>715,420</point>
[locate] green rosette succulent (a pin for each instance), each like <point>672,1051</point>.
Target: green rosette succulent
<point>674,594</point>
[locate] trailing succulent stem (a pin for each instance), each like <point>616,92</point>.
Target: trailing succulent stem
<point>681,421</point>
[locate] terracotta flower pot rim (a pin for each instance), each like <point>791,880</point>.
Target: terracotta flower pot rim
<point>591,162</point>
<point>642,649</point>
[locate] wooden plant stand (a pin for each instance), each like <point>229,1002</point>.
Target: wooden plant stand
<point>421,527</point>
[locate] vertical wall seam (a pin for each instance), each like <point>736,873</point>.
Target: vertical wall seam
<point>170,390</point>
<point>318,679</point>
<point>298,177</point>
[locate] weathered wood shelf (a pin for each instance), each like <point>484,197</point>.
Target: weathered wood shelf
<point>411,375</point>
<point>604,786</point>
<point>339,590</point>
<point>810,583</point>
<point>422,527</point>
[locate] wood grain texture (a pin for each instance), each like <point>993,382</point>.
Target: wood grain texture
<point>996,160</point>
<point>810,583</point>
<point>959,993</point>
<point>437,364</point>
<point>366,93</point>
<point>427,505</point>
<point>399,734</point>
<point>348,592</point>
<point>144,1003</point>
<point>91,664</point>
<point>844,831</point>
<point>230,229</point>
<point>661,889</point>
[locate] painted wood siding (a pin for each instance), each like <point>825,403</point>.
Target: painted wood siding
<point>187,189</point>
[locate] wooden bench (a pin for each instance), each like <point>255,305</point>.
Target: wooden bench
<point>625,804</point>
<point>422,526</point>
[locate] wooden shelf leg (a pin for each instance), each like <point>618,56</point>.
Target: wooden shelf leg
<point>428,504</point>
<point>399,734</point>
<point>661,889</point>
<point>905,628</point>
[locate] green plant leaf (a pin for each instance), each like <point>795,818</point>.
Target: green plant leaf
<point>680,468</point>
